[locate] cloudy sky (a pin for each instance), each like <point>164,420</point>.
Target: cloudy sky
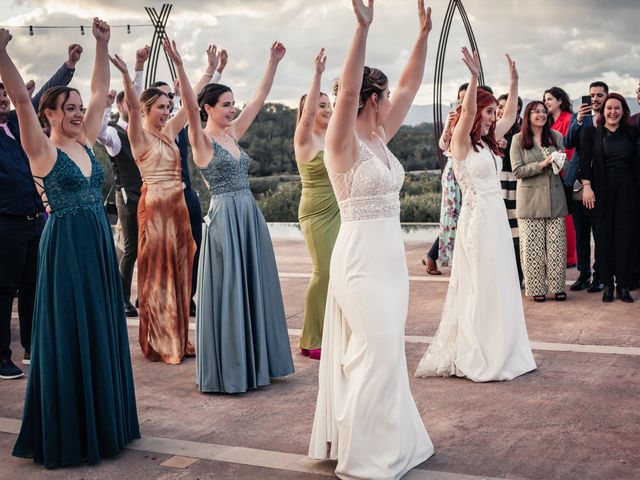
<point>565,43</point>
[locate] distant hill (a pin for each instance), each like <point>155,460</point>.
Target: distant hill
<point>424,113</point>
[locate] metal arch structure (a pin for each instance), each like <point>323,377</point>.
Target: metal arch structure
<point>159,21</point>
<point>440,57</point>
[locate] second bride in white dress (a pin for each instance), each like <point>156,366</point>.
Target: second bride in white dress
<point>482,334</point>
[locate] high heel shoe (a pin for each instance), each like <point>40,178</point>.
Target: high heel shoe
<point>304,352</point>
<point>315,353</point>
<point>431,266</point>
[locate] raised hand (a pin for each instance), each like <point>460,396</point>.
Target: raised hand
<point>223,58</point>
<point>513,71</point>
<point>471,61</point>
<point>101,30</point>
<point>213,58</point>
<point>321,61</point>
<point>111,97</point>
<point>364,15</point>
<point>119,64</point>
<point>176,87</point>
<point>143,54</point>
<point>277,51</point>
<point>74,53</point>
<point>172,51</point>
<point>5,38</point>
<point>30,86</point>
<point>425,17</point>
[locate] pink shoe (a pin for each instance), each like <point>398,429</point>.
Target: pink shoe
<point>315,353</point>
<point>304,352</point>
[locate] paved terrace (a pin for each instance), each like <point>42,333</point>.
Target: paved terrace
<point>576,417</point>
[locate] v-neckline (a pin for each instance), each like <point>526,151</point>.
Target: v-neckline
<point>237,160</point>
<point>386,154</point>
<point>87,178</point>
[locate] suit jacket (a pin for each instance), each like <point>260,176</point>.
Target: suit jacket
<point>540,193</point>
<point>572,140</point>
<point>592,164</point>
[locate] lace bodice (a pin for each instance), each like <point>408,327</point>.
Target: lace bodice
<point>369,189</point>
<point>478,174</point>
<point>226,175</point>
<point>68,191</point>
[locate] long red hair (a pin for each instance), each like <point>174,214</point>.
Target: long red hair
<point>484,100</point>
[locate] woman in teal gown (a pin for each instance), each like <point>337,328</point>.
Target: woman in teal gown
<point>80,401</point>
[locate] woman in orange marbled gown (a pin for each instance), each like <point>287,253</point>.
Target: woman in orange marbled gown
<point>165,244</point>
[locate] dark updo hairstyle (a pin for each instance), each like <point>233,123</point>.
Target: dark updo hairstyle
<point>303,99</point>
<point>49,101</point>
<point>559,94</point>
<point>149,97</point>
<point>373,81</point>
<point>209,96</point>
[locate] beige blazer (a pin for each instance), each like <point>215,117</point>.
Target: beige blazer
<point>540,193</point>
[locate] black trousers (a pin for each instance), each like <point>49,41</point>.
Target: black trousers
<point>615,230</point>
<point>128,218</point>
<point>195,217</point>
<point>516,248</point>
<point>19,242</point>
<point>433,253</point>
<point>583,225</point>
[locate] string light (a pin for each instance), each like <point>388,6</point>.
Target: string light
<point>33,28</point>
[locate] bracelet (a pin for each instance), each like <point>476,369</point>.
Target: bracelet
<point>208,74</point>
<point>127,84</point>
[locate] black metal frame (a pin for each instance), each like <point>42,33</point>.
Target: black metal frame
<point>440,57</point>
<point>159,21</point>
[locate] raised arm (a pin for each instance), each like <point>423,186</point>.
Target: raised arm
<point>241,124</point>
<point>62,76</point>
<point>99,83</point>
<point>135,132</point>
<point>39,149</point>
<point>304,128</point>
<point>411,77</point>
<point>341,134</point>
<point>142,55</point>
<point>460,140</point>
<point>511,106</point>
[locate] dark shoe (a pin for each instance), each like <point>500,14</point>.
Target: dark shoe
<point>130,310</point>
<point>192,309</point>
<point>431,266</point>
<point>580,284</point>
<point>137,306</point>
<point>8,370</point>
<point>539,298</point>
<point>561,297</point>
<point>623,294</point>
<point>304,352</point>
<point>26,360</point>
<point>597,286</point>
<point>607,295</point>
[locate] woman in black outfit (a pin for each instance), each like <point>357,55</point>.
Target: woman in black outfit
<point>610,173</point>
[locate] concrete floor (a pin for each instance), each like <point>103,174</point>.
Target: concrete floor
<point>576,417</point>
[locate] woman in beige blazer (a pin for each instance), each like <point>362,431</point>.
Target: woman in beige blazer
<point>540,203</point>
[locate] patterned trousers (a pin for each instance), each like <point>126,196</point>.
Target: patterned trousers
<point>543,250</point>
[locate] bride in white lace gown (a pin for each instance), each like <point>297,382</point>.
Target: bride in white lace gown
<point>366,417</point>
<point>482,333</point>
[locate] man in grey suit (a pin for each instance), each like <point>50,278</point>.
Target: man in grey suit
<point>585,117</point>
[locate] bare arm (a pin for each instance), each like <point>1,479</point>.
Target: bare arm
<point>304,129</point>
<point>39,149</point>
<point>411,77</point>
<point>460,139</point>
<point>99,83</point>
<point>511,107</point>
<point>202,149</point>
<point>241,124</point>
<point>341,131</point>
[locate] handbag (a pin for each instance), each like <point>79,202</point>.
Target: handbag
<point>578,191</point>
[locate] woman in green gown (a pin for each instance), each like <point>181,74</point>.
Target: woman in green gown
<point>318,212</point>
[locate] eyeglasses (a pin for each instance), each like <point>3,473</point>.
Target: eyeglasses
<point>171,95</point>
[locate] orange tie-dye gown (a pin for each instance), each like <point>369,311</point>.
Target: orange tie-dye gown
<point>165,255</point>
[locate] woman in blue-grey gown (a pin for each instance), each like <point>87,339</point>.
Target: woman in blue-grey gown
<point>241,330</point>
<point>80,401</point>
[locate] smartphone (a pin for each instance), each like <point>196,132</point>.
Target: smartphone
<point>453,106</point>
<point>586,99</point>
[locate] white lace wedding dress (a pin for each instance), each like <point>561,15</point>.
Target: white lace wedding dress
<point>482,333</point>
<point>365,415</point>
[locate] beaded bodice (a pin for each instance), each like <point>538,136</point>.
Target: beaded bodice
<point>68,191</point>
<point>369,189</point>
<point>225,174</point>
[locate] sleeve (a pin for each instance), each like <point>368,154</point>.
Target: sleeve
<point>138,82</point>
<point>216,77</point>
<point>519,168</point>
<point>572,138</point>
<point>108,136</point>
<point>60,78</point>
<point>586,154</point>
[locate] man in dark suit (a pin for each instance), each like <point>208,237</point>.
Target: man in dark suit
<point>21,222</point>
<point>585,117</point>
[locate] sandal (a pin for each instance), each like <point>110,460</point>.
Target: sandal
<point>561,297</point>
<point>539,298</point>
<point>431,266</point>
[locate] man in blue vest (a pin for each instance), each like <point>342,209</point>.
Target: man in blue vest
<point>21,222</point>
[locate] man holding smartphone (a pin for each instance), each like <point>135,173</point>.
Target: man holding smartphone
<point>585,117</point>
